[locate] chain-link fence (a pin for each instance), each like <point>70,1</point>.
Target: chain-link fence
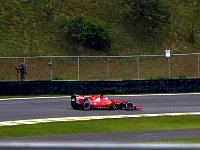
<point>102,67</point>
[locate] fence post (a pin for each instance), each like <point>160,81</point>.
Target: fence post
<point>169,67</point>
<point>51,68</point>
<point>78,68</point>
<point>138,67</point>
<point>108,69</point>
<point>198,65</point>
<point>50,65</point>
<point>24,60</point>
<point>25,76</point>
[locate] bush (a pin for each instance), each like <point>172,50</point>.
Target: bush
<point>57,77</point>
<point>90,33</point>
<point>149,14</point>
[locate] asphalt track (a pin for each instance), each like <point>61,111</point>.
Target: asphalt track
<point>36,108</point>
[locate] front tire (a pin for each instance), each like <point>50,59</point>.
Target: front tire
<point>86,105</point>
<point>129,106</point>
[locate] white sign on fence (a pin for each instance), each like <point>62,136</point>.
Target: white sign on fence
<point>167,53</point>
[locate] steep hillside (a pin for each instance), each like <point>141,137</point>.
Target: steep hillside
<point>34,28</point>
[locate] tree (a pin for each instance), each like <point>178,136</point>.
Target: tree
<point>152,15</point>
<point>195,23</point>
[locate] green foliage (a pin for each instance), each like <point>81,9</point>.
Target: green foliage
<point>148,14</point>
<point>90,33</point>
<point>157,78</point>
<point>195,29</point>
<point>181,76</point>
<point>57,77</point>
<point>2,78</point>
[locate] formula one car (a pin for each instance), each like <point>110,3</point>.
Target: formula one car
<point>101,102</point>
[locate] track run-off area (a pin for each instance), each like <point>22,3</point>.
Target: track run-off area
<point>20,111</point>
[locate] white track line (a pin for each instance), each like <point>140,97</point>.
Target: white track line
<point>27,98</point>
<point>123,95</point>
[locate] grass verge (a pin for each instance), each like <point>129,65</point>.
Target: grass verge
<point>103,126</point>
<point>182,141</point>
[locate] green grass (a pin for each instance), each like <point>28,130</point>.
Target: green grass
<point>103,126</point>
<point>32,28</point>
<point>179,141</point>
<point>182,141</point>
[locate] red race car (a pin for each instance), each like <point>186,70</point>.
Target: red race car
<point>101,102</point>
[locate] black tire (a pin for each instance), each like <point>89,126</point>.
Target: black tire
<point>112,108</point>
<point>129,106</point>
<point>73,103</point>
<point>86,105</point>
<point>119,106</point>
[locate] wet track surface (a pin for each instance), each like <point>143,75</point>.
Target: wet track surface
<point>60,107</point>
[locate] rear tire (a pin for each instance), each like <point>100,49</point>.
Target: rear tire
<point>73,103</point>
<point>129,106</point>
<point>86,105</point>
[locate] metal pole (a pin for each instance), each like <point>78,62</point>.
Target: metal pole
<point>169,67</point>
<point>25,75</point>
<point>198,65</point>
<point>51,68</point>
<point>78,67</point>
<point>24,60</point>
<point>138,67</point>
<point>50,65</point>
<point>108,69</point>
